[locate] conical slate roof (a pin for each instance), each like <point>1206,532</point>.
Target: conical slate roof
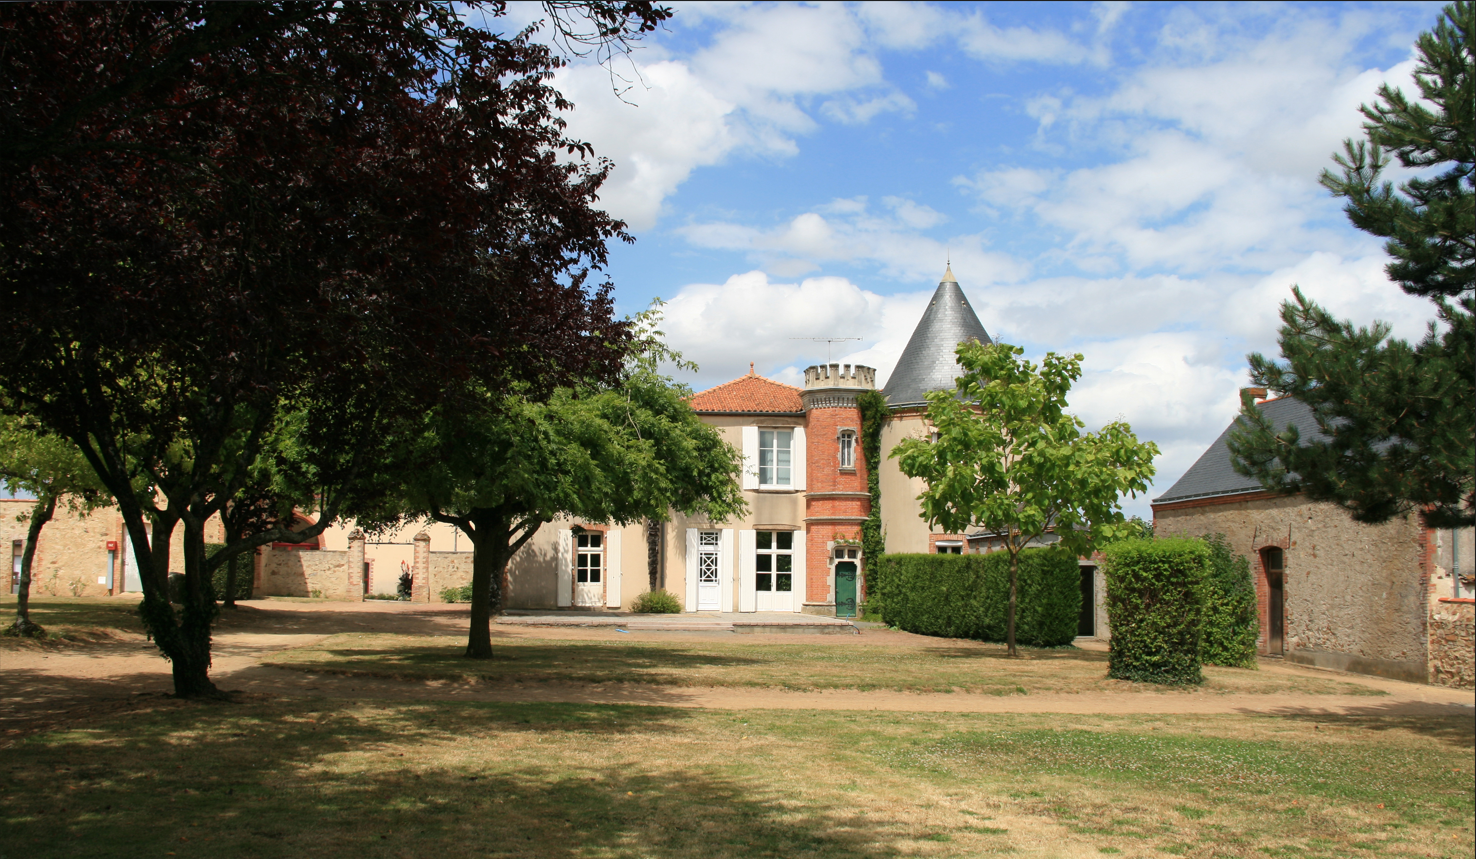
<point>928,363</point>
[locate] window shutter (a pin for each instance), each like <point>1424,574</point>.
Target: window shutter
<point>798,458</point>
<point>691,569</point>
<point>565,561</point>
<point>725,568</point>
<point>612,569</point>
<point>750,457</point>
<point>798,597</point>
<point>747,589</point>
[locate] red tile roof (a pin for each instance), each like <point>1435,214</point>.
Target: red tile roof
<point>751,393</point>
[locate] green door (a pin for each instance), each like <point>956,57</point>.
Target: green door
<point>845,589</point>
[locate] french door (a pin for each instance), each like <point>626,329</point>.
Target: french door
<point>709,588</point>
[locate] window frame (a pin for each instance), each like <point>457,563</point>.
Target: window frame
<point>589,551</point>
<point>845,442</point>
<point>767,580</point>
<point>774,433</point>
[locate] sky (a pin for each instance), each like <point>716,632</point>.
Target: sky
<point>1137,183</point>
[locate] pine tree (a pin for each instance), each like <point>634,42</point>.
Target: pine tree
<point>1399,431</point>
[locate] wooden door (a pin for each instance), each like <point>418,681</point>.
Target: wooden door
<point>845,589</point>
<point>1273,560</point>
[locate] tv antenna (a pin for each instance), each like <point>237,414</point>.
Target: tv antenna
<point>827,341</point>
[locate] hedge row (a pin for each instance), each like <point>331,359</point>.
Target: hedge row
<point>967,596</point>
<point>1231,624</point>
<point>244,574</point>
<point>1155,605</point>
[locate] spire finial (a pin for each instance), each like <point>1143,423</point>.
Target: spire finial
<point>750,368</point>
<point>948,273</point>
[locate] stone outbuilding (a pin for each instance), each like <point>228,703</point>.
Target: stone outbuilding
<point>1386,599</point>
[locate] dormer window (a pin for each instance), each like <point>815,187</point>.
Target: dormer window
<point>847,453</point>
<point>776,456</point>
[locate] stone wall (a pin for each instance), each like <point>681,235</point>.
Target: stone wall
<point>72,556</point>
<point>1356,596</point>
<point>1453,643</point>
<point>306,572</point>
<point>449,570</point>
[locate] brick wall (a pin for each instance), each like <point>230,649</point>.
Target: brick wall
<point>836,499</point>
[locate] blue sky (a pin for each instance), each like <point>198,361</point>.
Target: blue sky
<point>1137,183</point>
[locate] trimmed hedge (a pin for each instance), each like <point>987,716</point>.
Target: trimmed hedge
<point>967,596</point>
<point>1155,604</point>
<point>243,576</point>
<point>1230,621</point>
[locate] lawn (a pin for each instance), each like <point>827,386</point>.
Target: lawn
<point>272,777</point>
<point>75,620</point>
<point>938,665</point>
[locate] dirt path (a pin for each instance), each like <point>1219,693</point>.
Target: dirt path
<point>44,685</point>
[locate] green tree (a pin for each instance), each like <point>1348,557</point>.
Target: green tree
<point>1396,418</point>
<point>1009,459</point>
<point>619,454</point>
<point>54,471</point>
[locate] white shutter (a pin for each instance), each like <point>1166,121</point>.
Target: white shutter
<point>725,568</point>
<point>798,458</point>
<point>750,457</point>
<point>691,569</point>
<point>564,576</point>
<point>612,569</point>
<point>797,597</point>
<point>747,589</point>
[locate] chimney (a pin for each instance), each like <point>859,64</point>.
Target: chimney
<point>1258,393</point>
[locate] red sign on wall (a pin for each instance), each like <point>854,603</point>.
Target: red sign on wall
<point>112,545</point>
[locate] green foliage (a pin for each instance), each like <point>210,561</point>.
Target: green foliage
<point>1230,623</point>
<point>218,576</point>
<point>391,597</point>
<point>1010,460</point>
<point>1397,416</point>
<point>967,596</point>
<point>1155,600</point>
<point>461,594</point>
<point>874,411</point>
<point>659,601</point>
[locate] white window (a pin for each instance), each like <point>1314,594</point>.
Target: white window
<point>844,554</point>
<point>848,449</point>
<point>948,548</point>
<point>774,562</point>
<point>589,562</point>
<point>776,458</point>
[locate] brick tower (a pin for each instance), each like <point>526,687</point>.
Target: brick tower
<point>836,499</point>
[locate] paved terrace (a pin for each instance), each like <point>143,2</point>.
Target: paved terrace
<point>766,622</point>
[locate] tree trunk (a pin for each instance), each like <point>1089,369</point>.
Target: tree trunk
<point>1010,617</point>
<point>489,535</point>
<point>653,553</point>
<point>41,514</point>
<point>231,567</point>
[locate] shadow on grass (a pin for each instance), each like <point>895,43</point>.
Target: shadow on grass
<point>1451,724</point>
<point>291,777</point>
<point>996,651</point>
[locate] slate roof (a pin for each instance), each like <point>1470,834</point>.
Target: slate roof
<point>928,362</point>
<point>1212,475</point>
<point>751,394</point>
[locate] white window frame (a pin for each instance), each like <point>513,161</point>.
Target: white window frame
<point>774,553</point>
<point>846,449</point>
<point>788,481</point>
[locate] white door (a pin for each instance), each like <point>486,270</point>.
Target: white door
<point>589,570</point>
<point>774,571</point>
<point>709,588</point>
<point>131,582</point>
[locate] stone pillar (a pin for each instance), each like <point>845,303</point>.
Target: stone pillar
<point>420,583</point>
<point>355,572</point>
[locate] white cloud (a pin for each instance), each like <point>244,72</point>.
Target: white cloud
<point>936,81</point>
<point>983,40</point>
<point>848,231</point>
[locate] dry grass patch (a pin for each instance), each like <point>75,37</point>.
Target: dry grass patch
<point>78,620</point>
<point>944,666</point>
<point>290,777</point>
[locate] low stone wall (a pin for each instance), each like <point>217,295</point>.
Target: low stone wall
<point>449,570</point>
<point>306,573</point>
<point>1453,643</point>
